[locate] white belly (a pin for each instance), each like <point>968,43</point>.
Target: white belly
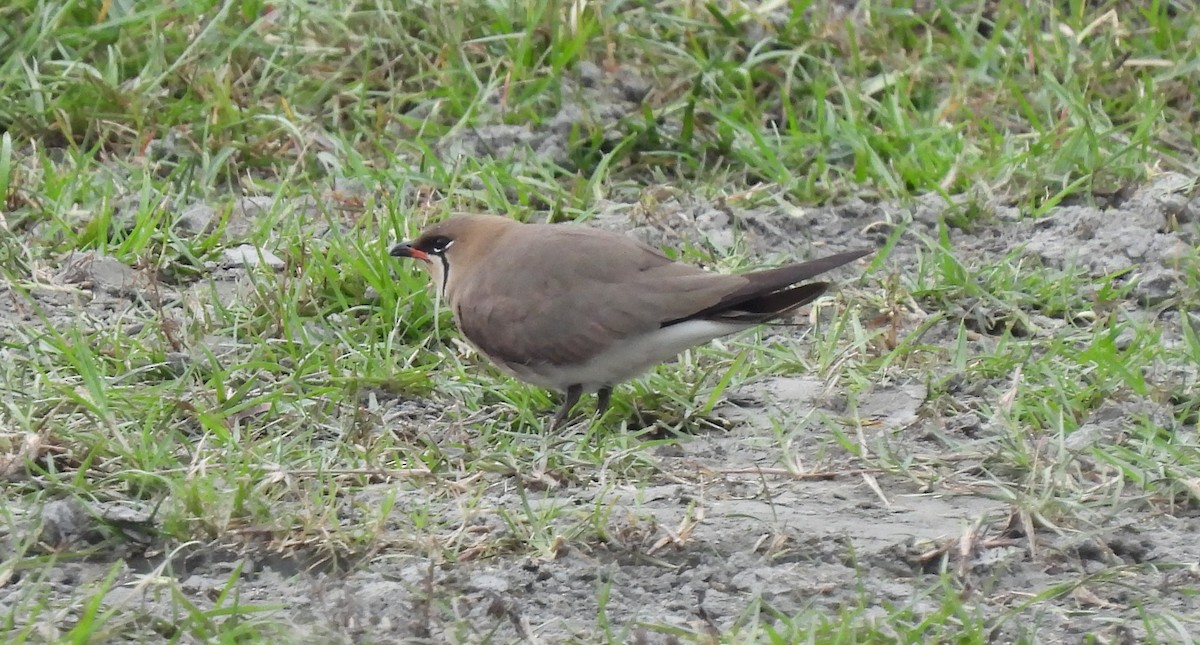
<point>626,359</point>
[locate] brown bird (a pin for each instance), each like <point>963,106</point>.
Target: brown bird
<point>580,310</point>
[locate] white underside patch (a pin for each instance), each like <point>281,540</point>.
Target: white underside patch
<point>627,359</point>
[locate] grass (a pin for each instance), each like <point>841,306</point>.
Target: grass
<point>327,409</point>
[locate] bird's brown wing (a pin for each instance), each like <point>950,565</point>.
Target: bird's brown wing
<point>612,288</point>
<point>566,312</point>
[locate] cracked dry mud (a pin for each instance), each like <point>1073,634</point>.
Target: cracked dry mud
<point>763,514</point>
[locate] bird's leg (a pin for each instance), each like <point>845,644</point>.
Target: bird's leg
<point>569,401</point>
<point>603,398</point>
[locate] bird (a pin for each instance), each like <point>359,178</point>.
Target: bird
<point>580,310</point>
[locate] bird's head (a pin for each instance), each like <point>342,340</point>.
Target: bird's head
<point>455,248</point>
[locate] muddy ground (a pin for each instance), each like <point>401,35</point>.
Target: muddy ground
<point>724,532</point>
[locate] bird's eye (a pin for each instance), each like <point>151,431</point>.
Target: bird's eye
<point>438,244</point>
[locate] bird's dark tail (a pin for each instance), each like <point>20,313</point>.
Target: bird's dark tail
<point>770,293</point>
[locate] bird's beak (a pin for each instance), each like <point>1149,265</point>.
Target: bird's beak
<point>406,250</point>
